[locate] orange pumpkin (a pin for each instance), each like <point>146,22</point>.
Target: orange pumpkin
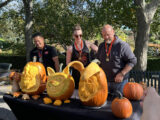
<point>33,78</point>
<point>15,76</point>
<point>133,91</point>
<point>121,107</point>
<point>93,89</point>
<point>60,86</point>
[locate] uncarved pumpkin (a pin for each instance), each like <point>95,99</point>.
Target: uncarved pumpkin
<point>33,78</point>
<point>60,85</point>
<point>121,107</point>
<point>133,91</point>
<point>93,89</point>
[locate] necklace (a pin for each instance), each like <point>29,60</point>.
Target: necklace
<point>79,49</point>
<point>108,50</point>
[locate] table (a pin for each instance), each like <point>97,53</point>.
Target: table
<point>37,110</point>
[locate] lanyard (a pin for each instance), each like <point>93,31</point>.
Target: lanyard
<point>110,47</point>
<point>40,53</point>
<point>79,49</point>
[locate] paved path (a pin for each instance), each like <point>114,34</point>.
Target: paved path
<point>5,111</point>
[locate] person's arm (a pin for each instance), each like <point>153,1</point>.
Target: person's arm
<point>92,46</point>
<point>56,61</point>
<point>68,55</point>
<point>130,60</point>
<point>119,77</point>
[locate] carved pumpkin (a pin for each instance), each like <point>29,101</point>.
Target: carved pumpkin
<point>60,85</point>
<point>33,78</point>
<point>93,89</point>
<point>133,91</point>
<point>121,107</point>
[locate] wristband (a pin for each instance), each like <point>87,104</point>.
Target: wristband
<point>122,74</point>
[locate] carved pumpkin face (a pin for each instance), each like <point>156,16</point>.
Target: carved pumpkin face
<point>93,89</point>
<point>33,78</point>
<point>59,85</point>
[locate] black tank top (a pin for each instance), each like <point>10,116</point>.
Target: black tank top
<point>85,57</point>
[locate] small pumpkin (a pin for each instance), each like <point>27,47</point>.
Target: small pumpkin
<point>121,107</point>
<point>16,94</point>
<point>25,97</point>
<point>67,101</point>
<point>93,89</point>
<point>133,91</point>
<point>57,102</point>
<point>47,100</point>
<point>36,97</point>
<point>33,78</point>
<point>60,85</point>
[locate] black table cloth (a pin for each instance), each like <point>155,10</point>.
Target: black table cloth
<point>37,110</point>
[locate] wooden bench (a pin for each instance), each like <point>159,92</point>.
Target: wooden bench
<point>151,78</point>
<point>4,70</point>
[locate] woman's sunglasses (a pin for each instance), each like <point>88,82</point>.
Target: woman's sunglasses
<point>78,36</point>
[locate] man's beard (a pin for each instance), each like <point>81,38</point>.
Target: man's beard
<point>108,41</point>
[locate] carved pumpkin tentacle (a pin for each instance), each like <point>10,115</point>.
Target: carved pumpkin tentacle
<point>76,64</point>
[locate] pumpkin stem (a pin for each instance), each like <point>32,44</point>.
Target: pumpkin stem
<point>60,67</point>
<point>120,94</point>
<point>96,61</point>
<point>34,59</point>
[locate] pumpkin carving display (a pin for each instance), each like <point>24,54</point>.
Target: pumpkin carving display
<point>133,91</point>
<point>93,89</point>
<point>60,85</point>
<point>121,107</point>
<point>33,78</point>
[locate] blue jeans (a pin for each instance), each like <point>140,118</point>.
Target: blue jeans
<point>113,87</point>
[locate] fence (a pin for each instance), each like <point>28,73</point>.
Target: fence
<point>151,78</point>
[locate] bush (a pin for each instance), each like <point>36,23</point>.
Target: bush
<point>18,62</point>
<point>153,63</point>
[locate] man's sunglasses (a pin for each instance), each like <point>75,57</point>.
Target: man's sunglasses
<point>78,36</point>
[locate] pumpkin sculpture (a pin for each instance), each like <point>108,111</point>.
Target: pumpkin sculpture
<point>33,78</point>
<point>121,107</point>
<point>93,89</point>
<point>60,85</point>
<point>133,91</point>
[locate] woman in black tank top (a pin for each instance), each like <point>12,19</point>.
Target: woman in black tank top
<point>79,51</point>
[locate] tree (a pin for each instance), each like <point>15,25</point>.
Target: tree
<point>145,12</point>
<point>28,5</point>
<point>2,4</point>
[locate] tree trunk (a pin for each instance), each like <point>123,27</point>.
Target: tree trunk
<point>145,13</point>
<point>28,5</point>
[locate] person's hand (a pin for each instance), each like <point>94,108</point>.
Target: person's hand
<point>119,77</point>
<point>151,105</point>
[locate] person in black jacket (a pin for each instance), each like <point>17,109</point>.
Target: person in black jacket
<point>43,53</point>
<point>116,59</point>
